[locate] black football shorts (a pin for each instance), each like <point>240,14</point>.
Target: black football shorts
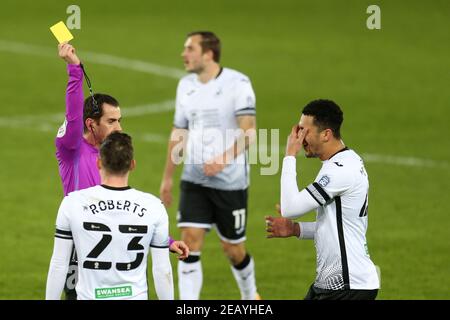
<point>203,207</point>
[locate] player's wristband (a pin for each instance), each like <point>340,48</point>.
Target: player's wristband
<point>171,241</point>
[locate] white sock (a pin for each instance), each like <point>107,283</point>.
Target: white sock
<point>190,279</point>
<point>245,279</point>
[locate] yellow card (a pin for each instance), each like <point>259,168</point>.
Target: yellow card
<point>61,32</point>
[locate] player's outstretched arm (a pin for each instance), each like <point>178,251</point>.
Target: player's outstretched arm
<point>162,273</point>
<point>59,264</point>
<point>71,132</point>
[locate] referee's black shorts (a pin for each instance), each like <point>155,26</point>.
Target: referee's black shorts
<point>203,207</point>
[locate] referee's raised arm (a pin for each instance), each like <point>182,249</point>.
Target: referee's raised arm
<point>71,132</point>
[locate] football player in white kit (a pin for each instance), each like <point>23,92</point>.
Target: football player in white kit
<point>215,108</point>
<point>112,226</point>
<point>340,195</point>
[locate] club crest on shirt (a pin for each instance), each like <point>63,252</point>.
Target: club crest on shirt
<point>324,181</point>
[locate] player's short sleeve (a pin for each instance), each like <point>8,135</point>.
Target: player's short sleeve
<point>180,119</point>
<point>329,183</point>
<point>160,237</point>
<point>63,230</point>
<point>245,100</point>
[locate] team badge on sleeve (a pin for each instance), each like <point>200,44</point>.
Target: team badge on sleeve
<point>324,181</point>
<point>250,101</point>
<point>62,129</point>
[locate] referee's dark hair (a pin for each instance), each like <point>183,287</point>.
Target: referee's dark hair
<point>94,112</point>
<point>116,153</point>
<point>209,42</point>
<point>326,114</point>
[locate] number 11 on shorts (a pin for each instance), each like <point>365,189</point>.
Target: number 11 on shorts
<point>239,220</point>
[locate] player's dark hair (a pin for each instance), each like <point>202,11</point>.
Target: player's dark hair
<point>209,42</point>
<point>116,153</point>
<point>95,111</point>
<point>326,114</point>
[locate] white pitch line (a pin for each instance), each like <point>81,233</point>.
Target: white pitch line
<point>129,64</point>
<point>44,122</point>
<point>153,138</point>
<point>41,122</point>
<point>160,107</point>
<point>404,161</point>
<point>93,57</point>
<point>145,137</point>
<point>378,158</point>
<point>30,120</point>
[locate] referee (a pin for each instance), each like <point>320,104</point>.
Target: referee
<point>340,195</point>
<point>86,125</point>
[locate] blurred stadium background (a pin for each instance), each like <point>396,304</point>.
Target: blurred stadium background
<point>393,85</point>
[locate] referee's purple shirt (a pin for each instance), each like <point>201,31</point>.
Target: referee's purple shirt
<point>76,157</point>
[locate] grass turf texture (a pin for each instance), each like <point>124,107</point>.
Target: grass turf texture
<point>392,85</point>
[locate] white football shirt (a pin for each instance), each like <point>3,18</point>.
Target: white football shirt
<point>112,229</point>
<point>340,194</point>
<point>209,111</point>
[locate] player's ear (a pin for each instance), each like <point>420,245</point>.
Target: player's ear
<point>209,54</point>
<point>99,163</point>
<point>88,123</point>
<point>132,165</point>
<point>327,135</point>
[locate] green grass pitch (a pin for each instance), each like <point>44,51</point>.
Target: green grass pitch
<point>392,83</point>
